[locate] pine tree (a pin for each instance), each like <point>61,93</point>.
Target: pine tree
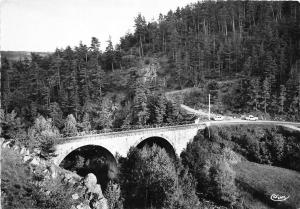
<point>86,125</point>
<point>266,93</point>
<point>70,126</point>
<point>160,109</point>
<point>270,69</point>
<point>140,103</point>
<point>254,94</point>
<point>5,84</point>
<point>282,98</point>
<point>140,32</point>
<point>110,55</point>
<point>56,114</point>
<point>172,112</point>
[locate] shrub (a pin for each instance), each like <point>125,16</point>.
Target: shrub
<point>153,178</point>
<point>43,135</point>
<point>212,85</point>
<point>208,162</point>
<point>222,181</point>
<point>147,61</point>
<point>113,196</point>
<point>13,127</point>
<point>149,179</point>
<point>195,98</point>
<point>70,126</point>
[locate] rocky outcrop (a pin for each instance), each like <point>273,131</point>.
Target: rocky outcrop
<point>89,191</point>
<point>94,193</point>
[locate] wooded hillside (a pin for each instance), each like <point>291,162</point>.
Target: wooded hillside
<point>256,43</point>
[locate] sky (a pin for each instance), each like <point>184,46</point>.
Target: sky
<point>44,25</point>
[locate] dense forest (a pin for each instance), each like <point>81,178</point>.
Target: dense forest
<point>256,44</point>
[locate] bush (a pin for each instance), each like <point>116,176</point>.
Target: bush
<point>223,182</point>
<point>13,127</point>
<point>212,85</point>
<point>43,135</point>
<point>196,99</point>
<point>152,179</point>
<point>149,179</point>
<point>113,196</point>
<point>147,61</point>
<point>70,126</point>
<point>208,162</point>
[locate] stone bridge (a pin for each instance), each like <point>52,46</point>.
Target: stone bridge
<point>173,138</point>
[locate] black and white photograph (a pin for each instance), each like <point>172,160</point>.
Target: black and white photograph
<point>149,104</point>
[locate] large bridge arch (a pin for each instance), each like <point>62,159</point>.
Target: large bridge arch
<point>92,159</point>
<point>63,150</point>
<point>161,141</point>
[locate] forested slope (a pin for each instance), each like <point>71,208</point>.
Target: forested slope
<point>255,43</point>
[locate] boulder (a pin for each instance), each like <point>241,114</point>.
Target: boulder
<point>5,144</point>
<point>82,206</point>
<point>26,158</point>
<point>35,161</point>
<point>67,177</point>
<point>75,196</point>
<point>37,151</point>
<point>99,204</point>
<point>27,152</point>
<point>22,151</point>
<point>2,140</point>
<point>97,190</point>
<point>45,171</point>
<point>90,181</point>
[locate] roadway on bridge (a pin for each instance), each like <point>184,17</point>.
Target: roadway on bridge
<point>292,125</point>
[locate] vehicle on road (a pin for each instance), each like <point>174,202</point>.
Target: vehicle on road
<point>251,117</point>
<point>218,117</point>
<point>197,121</point>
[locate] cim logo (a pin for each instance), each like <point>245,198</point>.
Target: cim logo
<point>279,198</point>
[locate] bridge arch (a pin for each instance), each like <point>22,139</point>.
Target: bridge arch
<point>92,159</point>
<point>161,141</point>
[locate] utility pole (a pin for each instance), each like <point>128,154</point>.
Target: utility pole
<point>208,106</point>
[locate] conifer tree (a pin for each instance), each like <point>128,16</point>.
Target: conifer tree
<point>140,103</point>
<point>282,98</point>
<point>160,109</point>
<point>70,126</point>
<point>255,90</point>
<point>140,32</point>
<point>266,93</point>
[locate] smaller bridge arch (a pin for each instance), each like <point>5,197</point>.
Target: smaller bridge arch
<point>160,141</point>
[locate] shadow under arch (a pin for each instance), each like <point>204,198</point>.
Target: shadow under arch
<point>159,141</point>
<point>92,159</point>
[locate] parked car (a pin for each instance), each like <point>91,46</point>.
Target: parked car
<point>197,121</point>
<point>218,117</point>
<point>251,117</point>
